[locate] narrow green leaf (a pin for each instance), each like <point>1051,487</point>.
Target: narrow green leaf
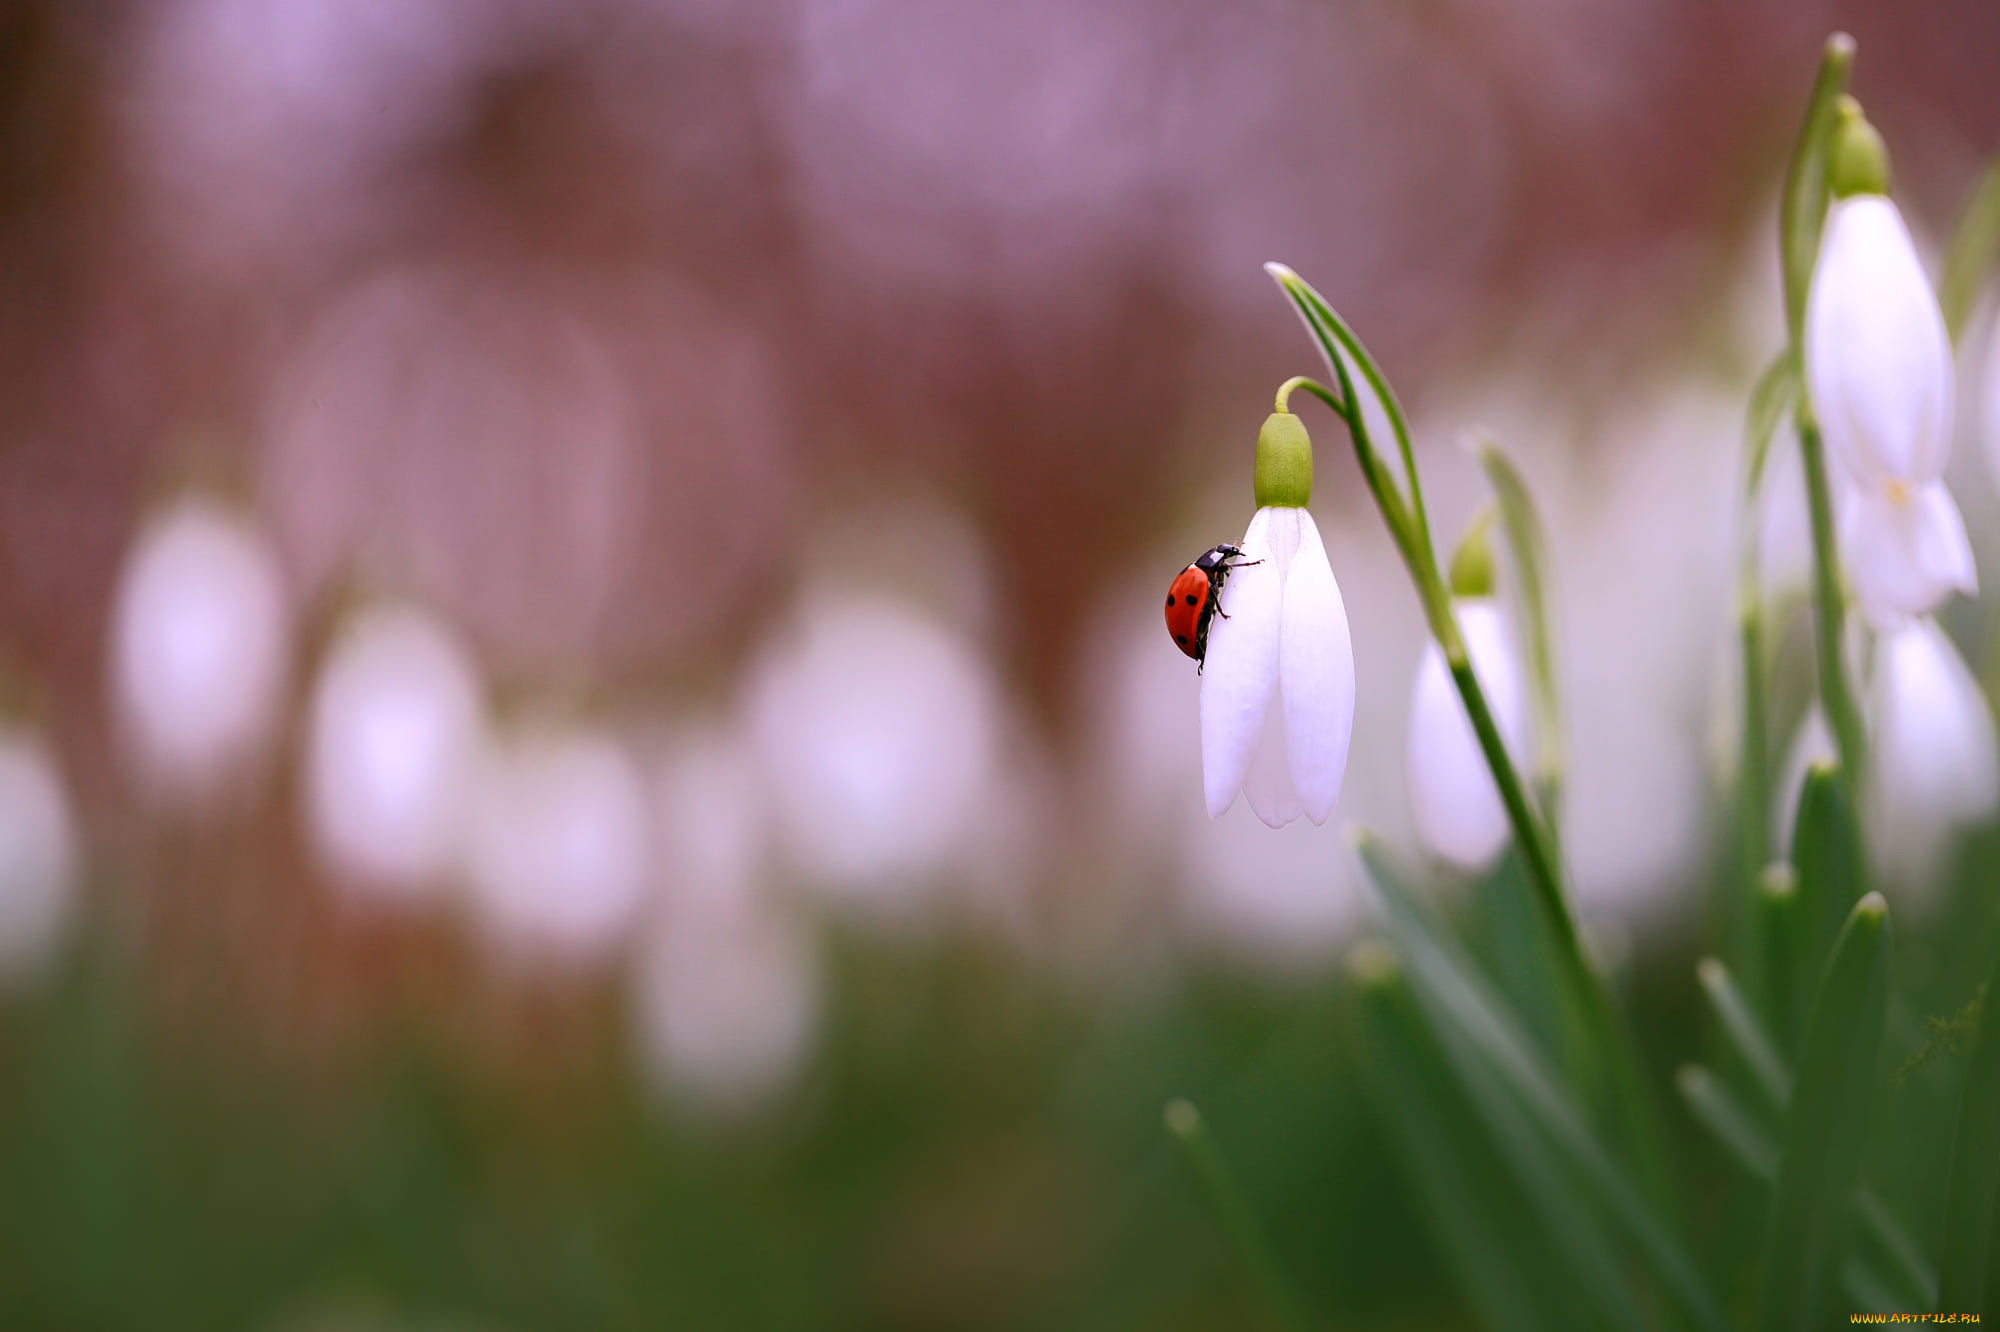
<point>1973,1199</point>
<point>1826,850</point>
<point>1232,1212</point>
<point>1528,544</point>
<point>1716,1109</point>
<point>1893,1264</point>
<point>1502,1261</point>
<point>1974,242</point>
<point>1802,207</point>
<point>1746,1035</point>
<point>1779,946</point>
<point>1459,1003</point>
<point>1811,1203</point>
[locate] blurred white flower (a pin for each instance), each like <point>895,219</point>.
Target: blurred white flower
<point>199,647</point>
<point>398,717</point>
<point>1933,764</point>
<point>727,987</point>
<point>1879,366</point>
<point>559,849</point>
<point>876,732</point>
<point>1453,799</point>
<point>38,850</point>
<point>1277,696</point>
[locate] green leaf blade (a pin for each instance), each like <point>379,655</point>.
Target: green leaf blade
<point>1812,1202</point>
<point>1973,1195</point>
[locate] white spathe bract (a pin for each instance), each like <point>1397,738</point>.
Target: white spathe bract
<point>199,647</point>
<point>560,843</point>
<point>1453,798</point>
<point>1277,695</point>
<point>38,850</point>
<point>1878,363</point>
<point>1933,764</point>
<point>395,733</point>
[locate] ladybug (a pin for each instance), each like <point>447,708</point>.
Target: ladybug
<point>1195,598</point>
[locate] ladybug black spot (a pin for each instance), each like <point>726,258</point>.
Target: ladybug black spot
<point>1180,638</point>
<point>1170,598</point>
<point>1190,600</point>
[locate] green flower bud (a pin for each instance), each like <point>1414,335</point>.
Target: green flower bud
<point>1471,571</point>
<point>1858,161</point>
<point>1284,462</point>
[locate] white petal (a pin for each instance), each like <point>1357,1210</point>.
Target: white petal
<point>1240,679</point>
<point>1878,360</point>
<point>1935,765</point>
<point>1268,785</point>
<point>1315,675</point>
<point>1905,554</point>
<point>1454,802</point>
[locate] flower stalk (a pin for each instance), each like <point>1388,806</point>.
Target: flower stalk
<point>1598,1045</point>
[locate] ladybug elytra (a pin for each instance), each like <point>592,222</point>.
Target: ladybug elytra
<point>1195,598</point>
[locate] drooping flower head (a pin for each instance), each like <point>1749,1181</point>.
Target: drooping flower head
<point>1878,365</point>
<point>1277,697</point>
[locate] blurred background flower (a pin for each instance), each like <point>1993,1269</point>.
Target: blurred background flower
<point>596,747</point>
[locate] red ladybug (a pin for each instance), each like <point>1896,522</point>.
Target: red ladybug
<point>1195,598</point>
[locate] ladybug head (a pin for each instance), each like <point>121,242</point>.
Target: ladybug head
<point>1216,558</point>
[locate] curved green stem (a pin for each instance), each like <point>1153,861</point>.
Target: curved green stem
<point>1802,206</point>
<point>1603,1057</point>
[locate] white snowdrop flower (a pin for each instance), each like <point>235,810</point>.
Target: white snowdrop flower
<point>727,988</point>
<point>199,647</point>
<point>1933,765</point>
<point>559,843</point>
<point>38,850</point>
<point>397,722</point>
<point>1454,801</point>
<point>1878,364</point>
<point>876,730</point>
<point>1277,689</point>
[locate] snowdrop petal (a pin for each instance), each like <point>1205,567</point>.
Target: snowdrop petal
<point>1905,553</point>
<point>1878,360</point>
<point>1315,676</point>
<point>1454,801</point>
<point>1268,785</point>
<point>1240,679</point>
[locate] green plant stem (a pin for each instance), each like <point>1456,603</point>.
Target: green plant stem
<point>1772,397</point>
<point>1829,608</point>
<point>1600,1053</point>
<point>1232,1212</point>
<point>1802,206</point>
